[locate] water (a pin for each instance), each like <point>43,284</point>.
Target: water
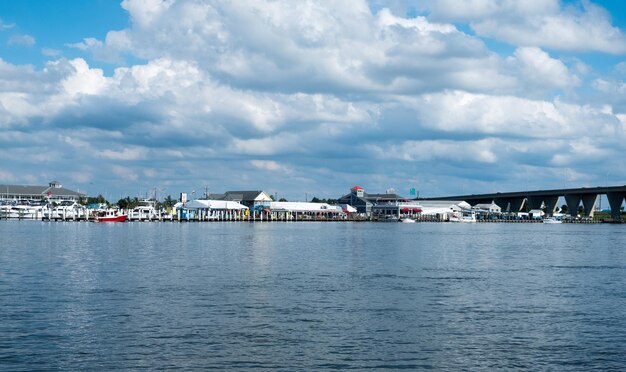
<point>311,296</point>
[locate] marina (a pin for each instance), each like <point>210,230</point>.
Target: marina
<point>56,203</point>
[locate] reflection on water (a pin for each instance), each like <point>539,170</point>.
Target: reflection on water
<point>311,296</point>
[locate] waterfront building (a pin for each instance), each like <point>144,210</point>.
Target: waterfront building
<point>53,192</point>
<point>443,209</point>
<point>305,210</point>
<point>208,209</point>
<point>487,210</point>
<point>255,200</point>
<point>364,202</point>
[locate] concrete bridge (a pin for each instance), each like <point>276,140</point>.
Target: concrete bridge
<point>514,201</point>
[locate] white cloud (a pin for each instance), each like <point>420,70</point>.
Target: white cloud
<point>425,151</point>
<point>135,153</point>
<point>125,173</point>
<point>6,26</point>
<point>581,26</point>
<point>306,45</point>
<point>144,12</point>
<point>84,80</point>
<point>537,66</point>
<point>6,176</point>
<point>270,165</point>
<point>23,40</point>
<point>49,52</point>
<point>462,112</point>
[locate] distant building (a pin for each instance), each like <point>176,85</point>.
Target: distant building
<point>364,202</point>
<point>492,208</point>
<point>443,208</point>
<point>255,200</point>
<point>54,192</point>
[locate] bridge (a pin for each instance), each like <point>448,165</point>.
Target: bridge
<point>514,201</point>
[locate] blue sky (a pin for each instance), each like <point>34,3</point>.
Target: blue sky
<point>312,97</point>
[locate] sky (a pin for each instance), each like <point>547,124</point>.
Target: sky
<point>309,98</point>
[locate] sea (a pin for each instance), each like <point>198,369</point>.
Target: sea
<point>311,296</point>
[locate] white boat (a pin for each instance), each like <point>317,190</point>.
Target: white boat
<point>552,220</point>
<point>144,211</point>
<point>465,217</point>
<point>65,210</point>
<point>407,220</point>
<point>389,218</point>
<point>22,209</point>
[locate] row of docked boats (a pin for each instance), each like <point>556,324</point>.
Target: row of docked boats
<point>70,210</point>
<point>31,210</point>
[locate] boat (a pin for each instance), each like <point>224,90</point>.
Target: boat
<point>110,216</point>
<point>21,209</point>
<point>64,209</point>
<point>407,220</point>
<point>389,218</point>
<point>552,220</point>
<point>465,217</point>
<point>144,211</point>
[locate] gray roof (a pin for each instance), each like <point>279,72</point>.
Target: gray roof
<point>242,195</point>
<point>236,195</point>
<point>22,190</point>
<point>26,190</point>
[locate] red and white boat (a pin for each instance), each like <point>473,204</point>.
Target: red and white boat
<point>110,216</point>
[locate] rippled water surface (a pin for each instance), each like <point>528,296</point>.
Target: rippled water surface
<point>311,296</point>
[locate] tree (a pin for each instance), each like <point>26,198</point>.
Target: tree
<point>327,201</point>
<point>128,203</point>
<point>282,200</point>
<point>564,208</point>
<point>169,202</point>
<point>97,200</point>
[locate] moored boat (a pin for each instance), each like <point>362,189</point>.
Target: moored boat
<point>552,220</point>
<point>464,217</point>
<point>110,216</point>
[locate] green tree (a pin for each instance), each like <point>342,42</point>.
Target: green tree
<point>327,201</point>
<point>128,203</point>
<point>282,200</point>
<point>169,202</point>
<point>97,200</point>
<point>564,208</point>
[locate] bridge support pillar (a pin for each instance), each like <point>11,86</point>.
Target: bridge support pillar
<point>550,202</point>
<point>515,205</point>
<point>573,202</point>
<point>615,201</point>
<point>589,202</point>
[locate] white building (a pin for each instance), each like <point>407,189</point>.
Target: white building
<point>53,192</point>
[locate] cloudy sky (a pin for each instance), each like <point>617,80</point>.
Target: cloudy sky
<point>303,98</point>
